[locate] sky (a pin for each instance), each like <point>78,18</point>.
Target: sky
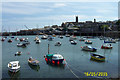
<point>39,14</point>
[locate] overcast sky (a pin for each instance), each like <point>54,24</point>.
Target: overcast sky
<point>39,14</point>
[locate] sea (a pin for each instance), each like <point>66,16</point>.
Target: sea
<point>77,62</point>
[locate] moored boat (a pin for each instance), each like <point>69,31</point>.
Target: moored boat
<point>109,41</point>
<point>18,53</point>
<point>53,58</point>
<point>44,37</point>
<point>22,39</point>
<point>33,61</point>
<point>58,43</point>
<point>9,40</point>
<point>88,42</point>
<point>21,45</point>
<point>97,57</point>
<point>82,39</point>
<point>89,48</point>
<point>14,66</point>
<point>38,41</point>
<point>106,46</point>
<point>36,38</point>
<point>73,42</point>
<point>67,35</point>
<point>16,38</point>
<point>3,39</point>
<point>54,35</point>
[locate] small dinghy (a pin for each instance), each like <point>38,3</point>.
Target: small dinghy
<point>21,45</point>
<point>44,37</point>
<point>36,38</point>
<point>89,48</point>
<point>9,40</point>
<point>61,36</point>
<point>72,38</point>
<point>22,39</point>
<point>58,43</point>
<point>110,41</point>
<point>54,35</point>
<point>97,57</point>
<point>88,42</point>
<point>16,39</point>
<point>18,53</point>
<point>106,46</point>
<point>50,38</point>
<point>38,41</point>
<point>33,61</point>
<point>3,39</point>
<point>82,39</point>
<point>14,66</point>
<point>67,35</point>
<point>73,42</point>
<point>26,42</point>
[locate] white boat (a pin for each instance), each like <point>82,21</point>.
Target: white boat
<point>58,43</point>
<point>67,35</point>
<point>72,38</point>
<point>38,41</point>
<point>33,61</point>
<point>106,46</point>
<point>88,42</point>
<point>21,45</point>
<point>3,39</point>
<point>89,48</point>
<point>16,38</point>
<point>14,66</point>
<point>36,38</point>
<point>82,39</point>
<point>73,42</point>
<point>60,36</point>
<point>44,37</point>
<point>18,53</point>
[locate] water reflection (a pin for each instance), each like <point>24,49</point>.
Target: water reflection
<point>61,66</point>
<point>96,60</point>
<point>14,76</point>
<point>36,68</point>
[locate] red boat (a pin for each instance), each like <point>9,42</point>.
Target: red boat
<point>3,39</point>
<point>22,39</point>
<point>106,46</point>
<point>9,40</point>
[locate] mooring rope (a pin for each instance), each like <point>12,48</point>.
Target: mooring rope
<point>71,70</point>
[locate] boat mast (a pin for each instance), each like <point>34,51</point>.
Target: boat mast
<point>48,48</point>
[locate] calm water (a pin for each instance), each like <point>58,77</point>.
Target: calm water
<point>78,60</point>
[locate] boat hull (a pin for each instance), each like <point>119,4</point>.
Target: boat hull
<point>54,61</point>
<point>97,58</point>
<point>104,47</point>
<point>14,70</point>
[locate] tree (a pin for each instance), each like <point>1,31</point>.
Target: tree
<point>118,22</point>
<point>104,27</point>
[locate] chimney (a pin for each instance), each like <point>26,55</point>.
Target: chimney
<point>94,20</point>
<point>76,19</point>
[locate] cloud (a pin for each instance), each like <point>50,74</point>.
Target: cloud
<point>57,5</point>
<point>60,0</point>
<point>16,8</point>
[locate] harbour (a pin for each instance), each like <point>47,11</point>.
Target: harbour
<point>76,61</point>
